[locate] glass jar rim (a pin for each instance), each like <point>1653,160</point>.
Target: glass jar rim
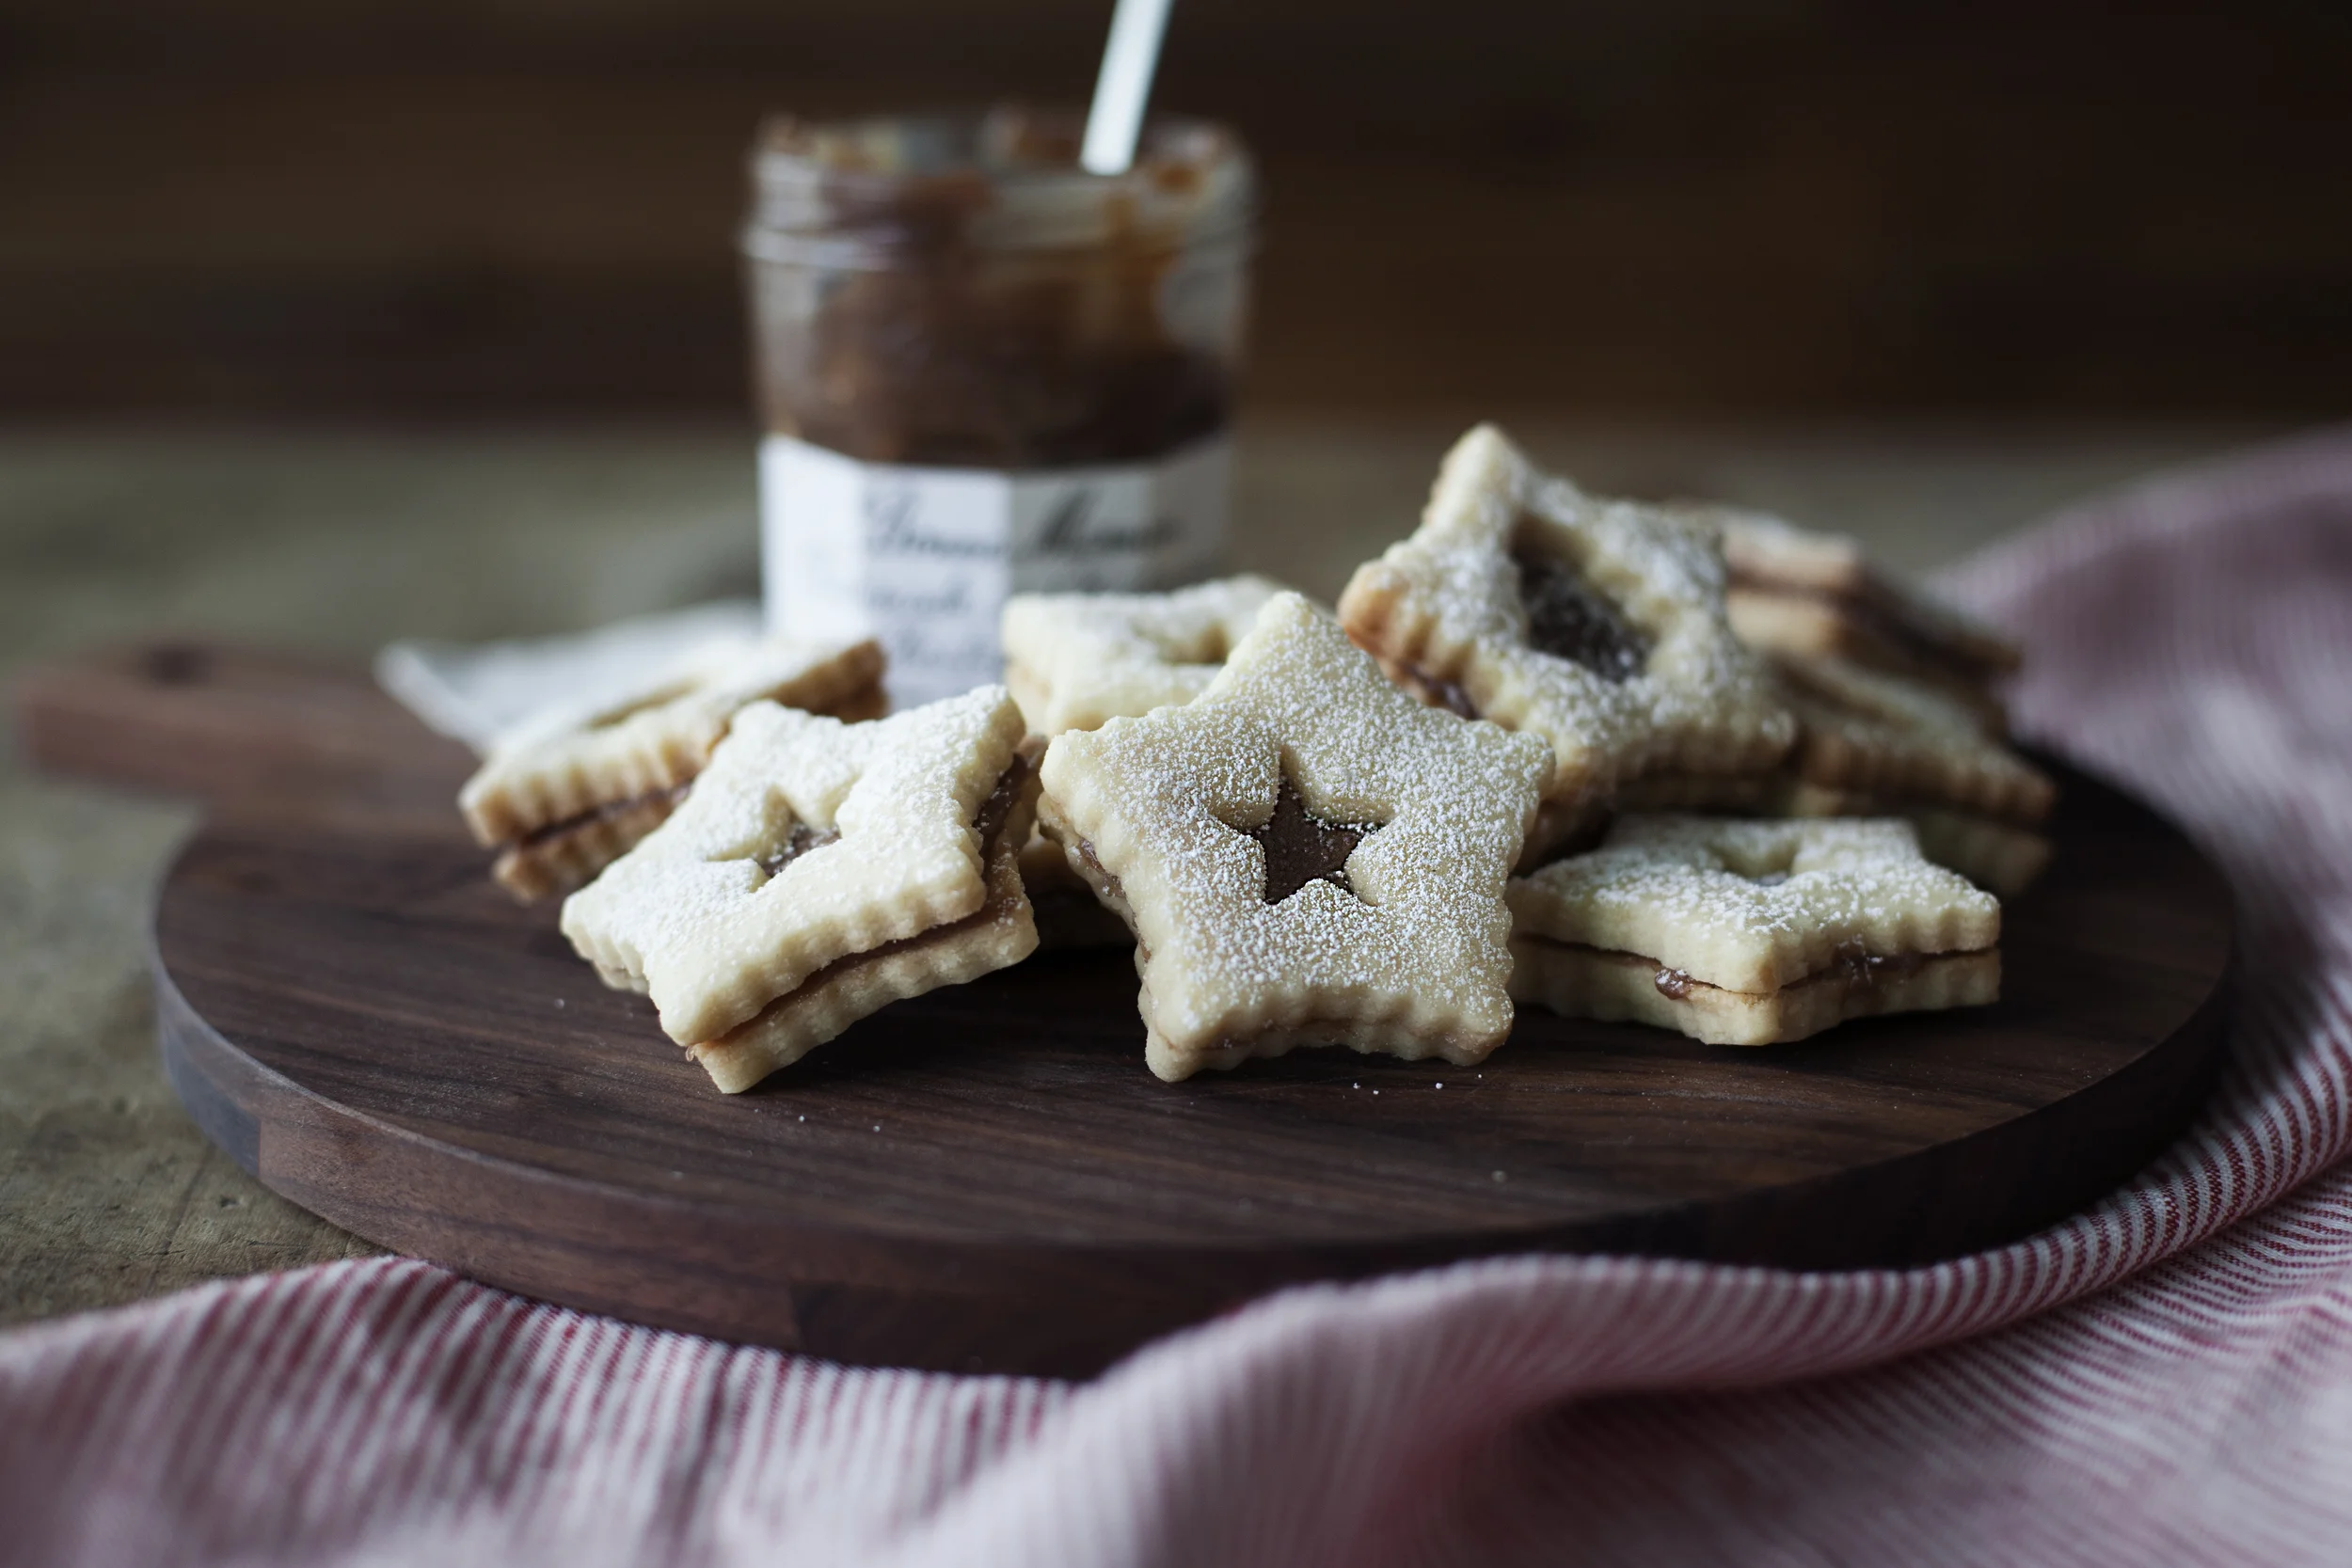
<point>840,252</point>
<point>1005,179</point>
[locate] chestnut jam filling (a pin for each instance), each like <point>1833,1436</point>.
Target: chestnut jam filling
<point>1568,618</point>
<point>1851,966</point>
<point>1439,693</point>
<point>1891,625</point>
<point>1858,968</point>
<point>989,824</point>
<point>989,820</point>
<point>799,842</point>
<point>545,835</point>
<point>1302,848</point>
<point>1102,877</point>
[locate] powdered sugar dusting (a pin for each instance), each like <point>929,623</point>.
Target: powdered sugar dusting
<point>570,760</point>
<point>1414,960</point>
<point>1753,906</point>
<point>1447,601</point>
<point>692,917</point>
<point>1870,732</point>
<point>1076,660</point>
<point>1773,556</point>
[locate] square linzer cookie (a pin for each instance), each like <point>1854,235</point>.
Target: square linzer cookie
<point>1305,854</point>
<point>818,872</point>
<point>561,798</point>
<point>1073,660</point>
<point>1748,932</point>
<point>1597,625</point>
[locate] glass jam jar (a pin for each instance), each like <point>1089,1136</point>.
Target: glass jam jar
<point>982,369</point>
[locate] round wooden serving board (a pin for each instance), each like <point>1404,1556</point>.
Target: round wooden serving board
<point>987,1177</point>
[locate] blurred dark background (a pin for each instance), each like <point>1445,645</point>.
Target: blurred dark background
<point>452,209</point>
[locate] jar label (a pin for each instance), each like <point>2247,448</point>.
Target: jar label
<point>923,557</point>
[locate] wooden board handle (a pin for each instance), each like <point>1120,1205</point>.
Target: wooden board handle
<point>226,724</point>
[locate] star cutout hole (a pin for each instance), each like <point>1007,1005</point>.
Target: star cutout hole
<point>1764,870</point>
<point>1301,847</point>
<point>799,842</point>
<point>1211,646</point>
<point>1569,618</point>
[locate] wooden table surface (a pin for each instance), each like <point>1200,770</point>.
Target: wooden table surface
<point>337,543</point>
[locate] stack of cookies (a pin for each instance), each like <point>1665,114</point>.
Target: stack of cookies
<point>568,794</point>
<point>1304,853</point>
<point>1675,765</point>
<point>819,871</point>
<point>1597,625</point>
<point>1819,595</point>
<point>1894,695</point>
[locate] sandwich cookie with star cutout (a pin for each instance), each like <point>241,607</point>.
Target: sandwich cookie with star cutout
<point>1751,932</point>
<point>1597,624</point>
<point>1305,853</point>
<point>818,872</point>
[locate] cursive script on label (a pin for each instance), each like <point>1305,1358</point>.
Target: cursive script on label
<point>895,525</point>
<point>1076,526</point>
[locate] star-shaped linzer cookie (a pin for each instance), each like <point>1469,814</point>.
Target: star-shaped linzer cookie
<point>1873,744</point>
<point>1751,932</point>
<point>566,796</point>
<point>1597,625</point>
<point>1305,854</point>
<point>1073,660</point>
<point>818,872</point>
<point>1818,594</point>
<point>1301,848</point>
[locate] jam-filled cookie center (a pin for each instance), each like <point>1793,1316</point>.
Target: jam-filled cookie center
<point>1568,618</point>
<point>799,842</point>
<point>1301,847</point>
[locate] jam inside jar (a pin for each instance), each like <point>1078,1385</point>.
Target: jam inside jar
<point>982,369</point>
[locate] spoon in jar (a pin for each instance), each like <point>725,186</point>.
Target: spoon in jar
<point>1130,55</point>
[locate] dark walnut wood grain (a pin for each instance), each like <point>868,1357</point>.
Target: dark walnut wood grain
<point>988,1176</point>
<point>232,724</point>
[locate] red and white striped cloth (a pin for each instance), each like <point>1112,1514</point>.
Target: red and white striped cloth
<point>2171,1380</point>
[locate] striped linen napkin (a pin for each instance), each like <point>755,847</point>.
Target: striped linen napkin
<point>2166,1378</point>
